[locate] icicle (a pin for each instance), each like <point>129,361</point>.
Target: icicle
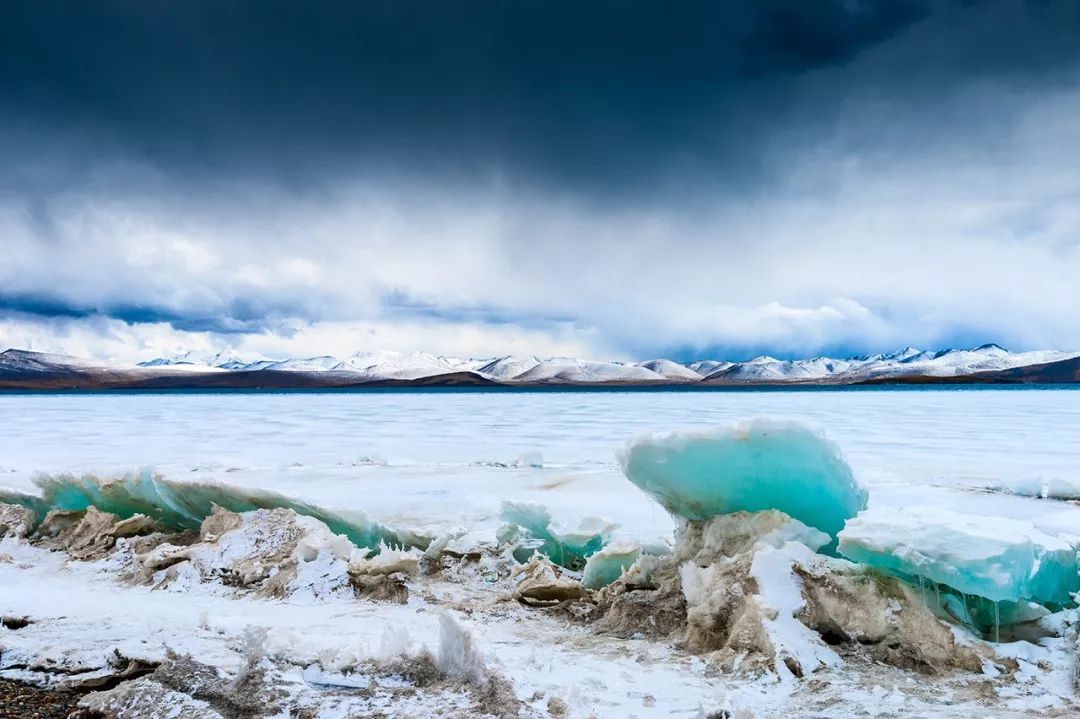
<point>997,624</point>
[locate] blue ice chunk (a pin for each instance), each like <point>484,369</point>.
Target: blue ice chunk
<point>753,466</point>
<point>992,558</point>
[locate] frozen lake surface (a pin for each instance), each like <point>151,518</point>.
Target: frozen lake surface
<point>445,462</point>
<point>437,460</point>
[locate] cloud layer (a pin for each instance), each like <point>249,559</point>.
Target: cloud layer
<point>560,178</point>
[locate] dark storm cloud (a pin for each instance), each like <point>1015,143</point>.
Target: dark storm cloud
<point>596,97</point>
<point>240,315</point>
<point>781,176</point>
<point>400,305</point>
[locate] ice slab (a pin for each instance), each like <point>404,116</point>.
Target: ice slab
<point>756,465</point>
<point>995,558</point>
<point>184,505</point>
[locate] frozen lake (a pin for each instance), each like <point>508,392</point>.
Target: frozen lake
<point>444,462</point>
<point>438,460</point>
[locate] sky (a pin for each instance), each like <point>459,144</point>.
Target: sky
<point>617,180</point>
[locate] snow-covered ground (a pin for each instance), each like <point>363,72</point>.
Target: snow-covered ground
<point>83,616</point>
<point>438,462</point>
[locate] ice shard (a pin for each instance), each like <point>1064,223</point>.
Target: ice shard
<point>607,565</point>
<point>567,547</point>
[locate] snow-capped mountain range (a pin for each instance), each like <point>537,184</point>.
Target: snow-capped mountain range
<point>387,366</point>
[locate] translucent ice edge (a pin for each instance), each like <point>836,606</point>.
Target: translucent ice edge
<point>537,532</point>
<point>607,565</point>
<point>184,505</point>
<point>984,571</point>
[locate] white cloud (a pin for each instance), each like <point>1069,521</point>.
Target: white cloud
<point>130,343</point>
<point>851,251</point>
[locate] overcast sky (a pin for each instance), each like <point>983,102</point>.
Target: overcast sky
<point>604,179</point>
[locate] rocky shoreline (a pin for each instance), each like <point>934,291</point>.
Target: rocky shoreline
<point>735,598</point>
<point>19,700</point>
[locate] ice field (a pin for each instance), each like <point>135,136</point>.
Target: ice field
<point>939,489</point>
<point>434,459</point>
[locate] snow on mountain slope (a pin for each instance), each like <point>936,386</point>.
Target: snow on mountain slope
<point>568,369</point>
<point>770,369</point>
<point>764,370</point>
<point>904,354</point>
<point>237,360</point>
<point>324,363</point>
<point>707,367</point>
<point>904,363</point>
<point>957,362</point>
<point>178,365</point>
<point>508,367</point>
<point>15,360</point>
<point>205,362</point>
<point>467,364</point>
<point>390,365</point>
<point>825,366</point>
<point>670,370</point>
<point>166,362</point>
<point>399,365</point>
<point>181,367</point>
<point>236,364</point>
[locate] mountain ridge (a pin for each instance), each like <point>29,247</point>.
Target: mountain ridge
<point>985,363</point>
